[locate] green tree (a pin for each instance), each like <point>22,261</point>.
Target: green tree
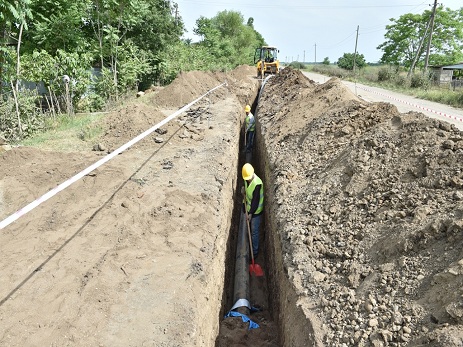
<point>228,38</point>
<point>404,34</point>
<point>347,61</point>
<point>326,61</point>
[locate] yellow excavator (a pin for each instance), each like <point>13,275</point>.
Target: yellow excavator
<point>266,58</point>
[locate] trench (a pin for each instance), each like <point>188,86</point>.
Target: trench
<point>282,322</point>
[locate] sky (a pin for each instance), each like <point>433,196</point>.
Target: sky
<point>313,29</point>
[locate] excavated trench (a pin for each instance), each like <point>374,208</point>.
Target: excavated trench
<point>272,297</point>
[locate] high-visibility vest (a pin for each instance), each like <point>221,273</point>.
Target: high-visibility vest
<point>248,120</point>
<point>250,191</point>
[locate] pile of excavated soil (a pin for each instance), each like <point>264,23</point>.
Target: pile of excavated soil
<point>368,207</point>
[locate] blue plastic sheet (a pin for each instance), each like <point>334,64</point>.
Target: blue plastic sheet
<point>252,325</point>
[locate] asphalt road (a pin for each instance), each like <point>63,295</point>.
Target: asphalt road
<point>404,103</point>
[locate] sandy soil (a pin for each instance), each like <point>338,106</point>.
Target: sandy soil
<point>363,224</point>
<point>133,254</point>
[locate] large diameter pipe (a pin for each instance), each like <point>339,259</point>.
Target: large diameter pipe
<point>241,288</point>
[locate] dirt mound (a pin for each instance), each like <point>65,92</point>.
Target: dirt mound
<point>370,213</point>
<point>139,115</point>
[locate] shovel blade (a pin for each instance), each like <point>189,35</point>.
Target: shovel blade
<point>256,270</point>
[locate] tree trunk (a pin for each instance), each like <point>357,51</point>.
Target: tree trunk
<point>18,60</point>
<point>17,107</point>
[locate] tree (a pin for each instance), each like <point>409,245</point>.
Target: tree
<point>326,61</point>
<point>347,61</point>
<point>228,38</point>
<point>404,34</point>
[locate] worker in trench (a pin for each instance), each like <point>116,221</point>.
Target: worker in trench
<point>250,127</point>
<point>253,204</point>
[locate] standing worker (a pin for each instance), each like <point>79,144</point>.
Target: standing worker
<point>253,203</point>
<point>250,127</point>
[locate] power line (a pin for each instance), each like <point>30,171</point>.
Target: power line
<point>263,5</point>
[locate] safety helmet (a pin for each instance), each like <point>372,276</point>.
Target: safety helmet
<point>247,171</point>
<point>247,108</point>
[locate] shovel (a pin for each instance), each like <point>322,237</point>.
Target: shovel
<point>253,268</point>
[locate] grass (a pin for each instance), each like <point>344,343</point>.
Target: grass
<point>68,133</point>
<point>396,81</point>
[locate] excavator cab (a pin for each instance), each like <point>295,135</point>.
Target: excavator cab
<point>266,60</point>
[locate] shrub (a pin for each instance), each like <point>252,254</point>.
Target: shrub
<point>384,74</point>
<point>297,65</point>
<point>401,81</point>
<point>420,81</point>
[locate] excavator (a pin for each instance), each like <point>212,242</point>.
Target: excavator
<point>266,58</point>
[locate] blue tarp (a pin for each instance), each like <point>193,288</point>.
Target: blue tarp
<point>252,325</point>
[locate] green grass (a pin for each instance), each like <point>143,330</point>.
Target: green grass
<point>68,133</point>
<point>397,82</point>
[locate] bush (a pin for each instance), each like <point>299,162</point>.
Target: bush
<point>297,65</point>
<point>420,81</point>
<point>384,74</point>
<point>401,81</point>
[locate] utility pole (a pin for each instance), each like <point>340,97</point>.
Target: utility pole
<point>412,67</point>
<point>355,51</point>
<point>315,53</point>
<point>304,57</point>
<point>430,36</point>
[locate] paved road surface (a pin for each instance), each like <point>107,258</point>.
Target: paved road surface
<point>404,103</point>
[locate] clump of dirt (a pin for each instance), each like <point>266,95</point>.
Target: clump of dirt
<point>369,213</point>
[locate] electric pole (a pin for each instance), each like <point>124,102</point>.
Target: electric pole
<point>412,67</point>
<point>315,53</point>
<point>430,36</point>
<point>355,51</point>
<point>304,58</point>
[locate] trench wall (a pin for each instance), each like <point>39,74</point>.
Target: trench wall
<point>296,327</point>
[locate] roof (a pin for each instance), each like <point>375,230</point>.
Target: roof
<point>454,67</point>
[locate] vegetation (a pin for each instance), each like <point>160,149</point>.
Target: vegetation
<point>403,37</point>
<point>347,61</point>
<point>402,47</point>
<point>86,54</point>
<point>395,78</point>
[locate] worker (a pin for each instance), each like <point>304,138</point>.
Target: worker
<point>253,204</point>
<point>250,127</point>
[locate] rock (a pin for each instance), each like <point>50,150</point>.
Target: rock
<point>455,310</point>
<point>4,148</point>
<point>407,330</point>
<point>319,276</point>
<point>158,140</point>
<point>161,131</point>
<point>458,195</point>
<point>140,94</point>
<point>373,322</point>
<point>448,144</point>
<point>99,147</point>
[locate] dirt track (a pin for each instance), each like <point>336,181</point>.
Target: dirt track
<point>364,210</point>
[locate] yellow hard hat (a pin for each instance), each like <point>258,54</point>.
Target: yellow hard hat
<point>247,108</point>
<point>247,171</point>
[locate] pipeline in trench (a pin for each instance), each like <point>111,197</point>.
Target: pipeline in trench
<point>270,301</point>
<point>246,296</point>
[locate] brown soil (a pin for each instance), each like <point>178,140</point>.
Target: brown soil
<point>368,208</point>
<point>363,224</point>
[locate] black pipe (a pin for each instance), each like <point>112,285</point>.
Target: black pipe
<point>241,288</point>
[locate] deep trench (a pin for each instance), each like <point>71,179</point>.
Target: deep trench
<point>285,321</point>
<point>259,286</point>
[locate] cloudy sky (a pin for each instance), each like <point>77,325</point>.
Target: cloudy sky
<point>313,29</point>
